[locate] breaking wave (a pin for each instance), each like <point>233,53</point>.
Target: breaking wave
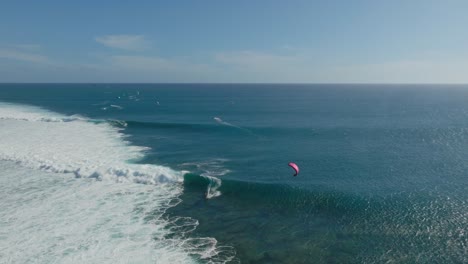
<point>92,220</point>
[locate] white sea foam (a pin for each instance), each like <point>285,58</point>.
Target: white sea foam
<point>42,140</point>
<point>211,170</point>
<point>53,218</point>
<point>213,186</point>
<point>49,216</point>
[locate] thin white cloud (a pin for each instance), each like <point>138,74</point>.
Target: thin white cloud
<point>22,56</point>
<point>253,66</point>
<point>126,42</point>
<point>27,62</point>
<point>255,60</point>
<point>405,71</point>
<point>142,63</point>
<point>157,64</point>
<point>28,47</point>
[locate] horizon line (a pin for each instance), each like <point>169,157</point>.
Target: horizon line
<point>243,83</point>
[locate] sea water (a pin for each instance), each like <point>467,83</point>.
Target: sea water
<point>197,173</point>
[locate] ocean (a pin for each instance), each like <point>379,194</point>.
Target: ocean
<point>198,173</point>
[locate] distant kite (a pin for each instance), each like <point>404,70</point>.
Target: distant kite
<point>295,167</point>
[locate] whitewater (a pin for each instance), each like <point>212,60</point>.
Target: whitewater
<point>72,192</point>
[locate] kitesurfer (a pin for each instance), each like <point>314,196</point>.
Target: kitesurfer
<point>295,167</point>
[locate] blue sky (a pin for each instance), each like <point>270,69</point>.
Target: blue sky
<point>235,41</point>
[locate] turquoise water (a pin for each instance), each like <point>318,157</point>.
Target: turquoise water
<point>383,167</point>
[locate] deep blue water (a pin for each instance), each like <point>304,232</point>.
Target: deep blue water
<point>383,167</point>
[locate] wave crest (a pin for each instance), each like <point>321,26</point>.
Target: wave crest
<point>39,139</point>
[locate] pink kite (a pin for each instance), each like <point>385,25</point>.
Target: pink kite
<point>295,167</point>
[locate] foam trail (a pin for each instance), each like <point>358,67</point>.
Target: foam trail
<point>116,106</point>
<point>220,121</point>
<point>211,170</point>
<point>212,190</point>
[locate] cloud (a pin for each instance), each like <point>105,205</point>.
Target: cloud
<point>27,63</point>
<point>28,47</point>
<point>143,63</point>
<point>22,56</point>
<point>133,68</point>
<point>125,42</point>
<point>253,66</point>
<point>152,64</point>
<point>255,60</point>
<point>405,71</point>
